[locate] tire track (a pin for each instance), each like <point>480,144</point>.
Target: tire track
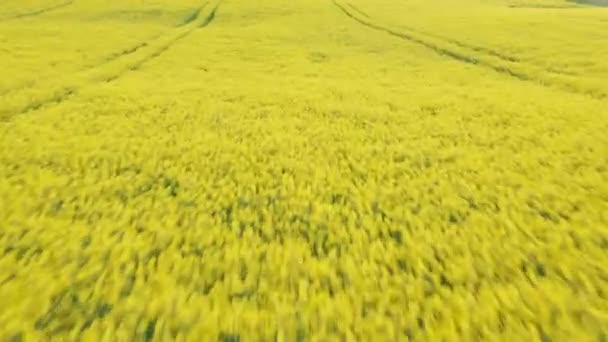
<point>439,50</point>
<point>464,58</point>
<point>491,52</point>
<point>129,51</point>
<point>162,49</point>
<point>108,59</point>
<point>192,17</point>
<point>130,60</point>
<point>485,50</point>
<point>55,99</point>
<point>358,10</point>
<point>40,11</point>
<point>210,17</point>
<point>114,56</point>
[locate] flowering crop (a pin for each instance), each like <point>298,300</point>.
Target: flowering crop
<point>302,170</point>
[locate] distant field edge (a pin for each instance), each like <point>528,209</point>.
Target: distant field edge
<point>600,3</point>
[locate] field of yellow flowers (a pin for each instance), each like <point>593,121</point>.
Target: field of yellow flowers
<point>303,170</point>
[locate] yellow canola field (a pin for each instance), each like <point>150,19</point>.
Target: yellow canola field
<point>305,170</point>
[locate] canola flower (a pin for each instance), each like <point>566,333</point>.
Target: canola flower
<point>221,173</point>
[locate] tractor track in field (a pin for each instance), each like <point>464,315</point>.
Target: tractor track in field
<point>485,50</point>
<point>192,17</point>
<point>157,48</point>
<point>440,50</point>
<point>39,11</point>
<point>167,46</point>
<point>412,37</point>
<point>125,52</point>
<point>358,10</point>
<point>154,55</point>
<point>110,58</point>
<point>211,16</point>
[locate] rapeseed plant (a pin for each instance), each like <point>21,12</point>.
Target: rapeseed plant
<point>384,172</point>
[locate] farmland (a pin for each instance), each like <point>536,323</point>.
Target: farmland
<point>308,170</point>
